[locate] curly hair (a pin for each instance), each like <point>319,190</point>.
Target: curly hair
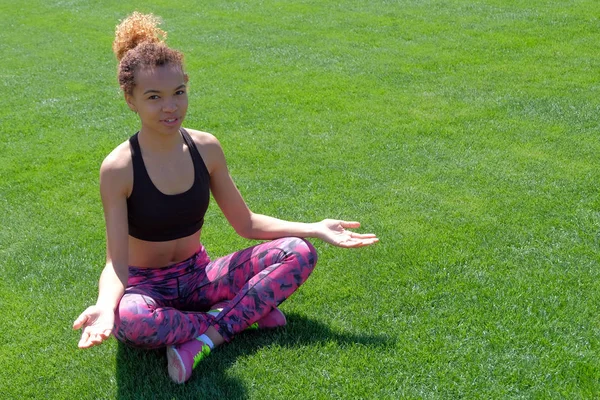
<point>139,43</point>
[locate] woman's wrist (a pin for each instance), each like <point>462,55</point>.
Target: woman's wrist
<point>105,305</point>
<point>314,230</point>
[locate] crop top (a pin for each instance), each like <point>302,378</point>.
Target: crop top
<point>158,217</point>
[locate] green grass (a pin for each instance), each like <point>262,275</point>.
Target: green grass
<point>463,133</point>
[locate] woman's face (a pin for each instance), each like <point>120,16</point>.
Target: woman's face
<point>160,98</point>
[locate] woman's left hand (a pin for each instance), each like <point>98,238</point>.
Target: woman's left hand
<point>335,232</point>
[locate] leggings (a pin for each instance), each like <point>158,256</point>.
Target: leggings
<point>166,306</point>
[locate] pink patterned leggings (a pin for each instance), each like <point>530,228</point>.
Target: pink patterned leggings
<point>168,305</point>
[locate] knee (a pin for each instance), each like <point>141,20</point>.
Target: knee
<point>305,251</point>
<point>130,320</point>
<point>311,252</point>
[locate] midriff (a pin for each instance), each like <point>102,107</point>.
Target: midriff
<point>145,254</point>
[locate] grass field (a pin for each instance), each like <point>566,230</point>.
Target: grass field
<point>463,132</point>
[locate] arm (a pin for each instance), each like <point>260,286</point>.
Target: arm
<point>97,321</point>
<point>262,227</point>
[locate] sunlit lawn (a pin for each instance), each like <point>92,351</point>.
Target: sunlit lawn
<point>463,133</point>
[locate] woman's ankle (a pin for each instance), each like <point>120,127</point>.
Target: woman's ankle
<point>214,336</point>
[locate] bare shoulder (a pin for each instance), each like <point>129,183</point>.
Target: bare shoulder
<point>203,138</point>
<point>118,159</point>
<point>209,147</point>
<point>116,172</point>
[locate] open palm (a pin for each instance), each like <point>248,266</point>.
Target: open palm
<point>336,233</point>
<point>97,324</point>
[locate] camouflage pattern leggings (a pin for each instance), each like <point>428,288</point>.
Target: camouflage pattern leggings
<point>168,305</point>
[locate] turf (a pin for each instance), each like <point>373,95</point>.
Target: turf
<point>463,133</point>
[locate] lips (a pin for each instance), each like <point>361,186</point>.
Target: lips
<point>170,121</point>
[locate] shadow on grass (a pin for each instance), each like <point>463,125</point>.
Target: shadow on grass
<point>142,374</point>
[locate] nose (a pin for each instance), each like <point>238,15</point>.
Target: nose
<point>170,105</point>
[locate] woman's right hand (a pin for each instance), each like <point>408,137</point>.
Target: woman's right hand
<point>97,324</point>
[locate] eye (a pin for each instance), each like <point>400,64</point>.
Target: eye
<point>180,92</point>
<point>153,97</point>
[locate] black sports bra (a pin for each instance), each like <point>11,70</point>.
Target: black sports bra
<point>158,217</point>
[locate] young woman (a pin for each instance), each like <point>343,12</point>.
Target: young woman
<point>159,288</point>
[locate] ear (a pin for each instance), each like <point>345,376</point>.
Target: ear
<point>130,102</point>
<point>186,78</point>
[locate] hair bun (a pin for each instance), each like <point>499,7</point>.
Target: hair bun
<point>136,29</point>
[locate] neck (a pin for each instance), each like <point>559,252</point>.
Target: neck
<point>157,142</point>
